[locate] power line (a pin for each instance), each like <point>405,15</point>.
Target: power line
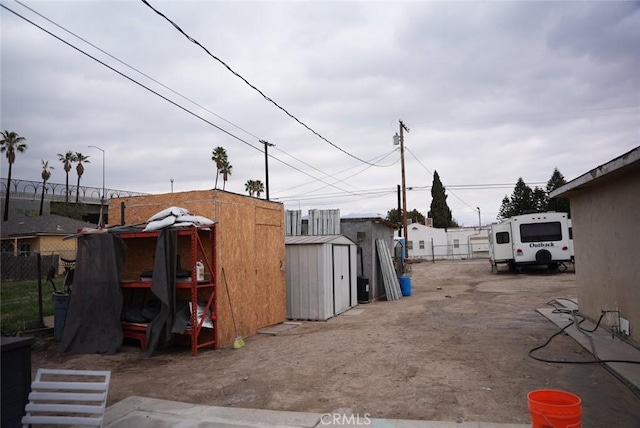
<point>381,157</point>
<point>363,193</point>
<point>179,94</point>
<point>129,78</point>
<point>194,41</point>
<point>136,70</point>
<point>446,188</point>
<point>163,97</point>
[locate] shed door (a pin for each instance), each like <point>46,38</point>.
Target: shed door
<point>341,279</point>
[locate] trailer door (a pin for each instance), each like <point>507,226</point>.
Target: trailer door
<point>501,242</point>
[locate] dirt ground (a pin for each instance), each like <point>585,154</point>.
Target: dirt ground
<point>456,350</point>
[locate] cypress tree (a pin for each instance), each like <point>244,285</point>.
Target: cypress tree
<point>439,212</point>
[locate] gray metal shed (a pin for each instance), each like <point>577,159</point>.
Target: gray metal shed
<point>321,276</point>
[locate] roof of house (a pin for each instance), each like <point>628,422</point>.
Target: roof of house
<point>617,167</point>
<point>42,225</point>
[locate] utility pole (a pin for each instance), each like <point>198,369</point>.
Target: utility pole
<point>399,208</point>
<point>403,127</point>
<point>266,165</point>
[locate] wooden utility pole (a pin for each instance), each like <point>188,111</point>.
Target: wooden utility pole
<point>403,127</point>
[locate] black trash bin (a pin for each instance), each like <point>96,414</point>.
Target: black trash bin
<point>363,290</point>
<point>60,306</point>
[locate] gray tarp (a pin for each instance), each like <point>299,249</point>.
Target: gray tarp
<point>163,286</point>
<point>95,303</point>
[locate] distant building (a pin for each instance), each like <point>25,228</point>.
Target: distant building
<point>605,213</point>
<point>24,238</point>
<point>458,243</point>
<point>41,234</point>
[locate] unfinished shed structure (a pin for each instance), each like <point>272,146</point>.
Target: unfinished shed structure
<point>321,276</point>
<point>364,230</point>
<point>250,250</point>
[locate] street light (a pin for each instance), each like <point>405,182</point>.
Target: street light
<point>266,163</point>
<point>479,220</point>
<point>102,198</point>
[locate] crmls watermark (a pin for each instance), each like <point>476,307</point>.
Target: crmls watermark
<point>338,419</point>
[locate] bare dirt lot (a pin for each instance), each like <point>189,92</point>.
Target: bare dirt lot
<point>456,350</point>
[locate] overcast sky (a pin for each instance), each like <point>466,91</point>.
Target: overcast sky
<point>491,91</point>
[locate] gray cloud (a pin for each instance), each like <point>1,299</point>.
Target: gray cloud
<point>492,91</point>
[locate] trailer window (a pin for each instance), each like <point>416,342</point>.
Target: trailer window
<point>539,232</point>
<point>502,238</point>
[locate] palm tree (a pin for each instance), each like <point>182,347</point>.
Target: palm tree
<point>225,170</point>
<point>259,187</point>
<point>46,175</point>
<point>218,155</point>
<point>11,143</point>
<point>67,159</point>
<point>249,187</point>
<point>79,157</point>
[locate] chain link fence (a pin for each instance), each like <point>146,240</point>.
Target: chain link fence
<point>31,269</point>
<point>450,252</point>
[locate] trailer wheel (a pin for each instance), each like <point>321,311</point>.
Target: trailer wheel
<point>543,256</point>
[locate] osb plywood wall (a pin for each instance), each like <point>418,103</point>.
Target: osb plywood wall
<point>251,250</point>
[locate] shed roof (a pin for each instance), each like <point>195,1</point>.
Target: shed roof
<point>617,167</point>
<point>369,218</point>
<point>42,225</point>
<point>317,239</point>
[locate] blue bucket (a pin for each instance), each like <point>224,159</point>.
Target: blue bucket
<point>405,285</point>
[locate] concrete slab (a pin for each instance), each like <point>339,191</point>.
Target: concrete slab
<point>152,412</point>
<point>353,312</point>
<point>143,412</point>
<point>599,342</point>
<point>275,330</point>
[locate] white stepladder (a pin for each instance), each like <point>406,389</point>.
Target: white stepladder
<point>67,397</point>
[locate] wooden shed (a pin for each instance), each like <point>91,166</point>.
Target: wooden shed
<point>321,276</point>
<point>250,248</point>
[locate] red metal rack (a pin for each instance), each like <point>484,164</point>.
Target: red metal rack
<point>199,290</point>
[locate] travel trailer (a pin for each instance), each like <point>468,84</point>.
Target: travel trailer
<point>531,239</point>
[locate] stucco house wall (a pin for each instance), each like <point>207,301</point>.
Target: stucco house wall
<point>605,211</point>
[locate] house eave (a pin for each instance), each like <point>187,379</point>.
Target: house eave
<point>610,169</point>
